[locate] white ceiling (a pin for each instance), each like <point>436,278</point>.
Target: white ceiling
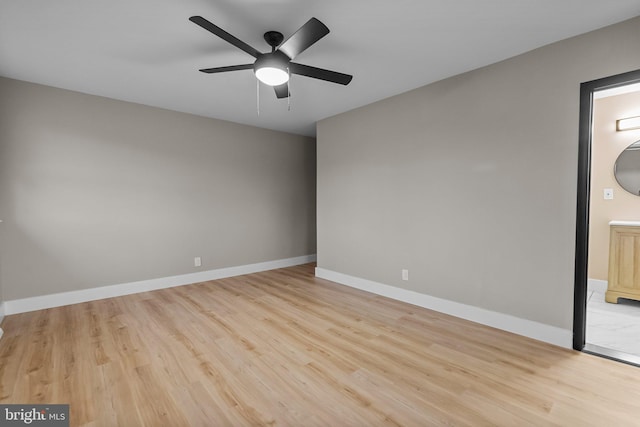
<point>147,51</point>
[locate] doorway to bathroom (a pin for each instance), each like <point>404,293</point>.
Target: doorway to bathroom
<point>606,309</point>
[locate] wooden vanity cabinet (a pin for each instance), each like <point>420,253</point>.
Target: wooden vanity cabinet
<point>624,261</point>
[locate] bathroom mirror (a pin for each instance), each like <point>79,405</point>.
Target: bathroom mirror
<point>627,169</point>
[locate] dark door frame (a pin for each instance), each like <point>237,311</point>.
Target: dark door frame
<point>584,184</point>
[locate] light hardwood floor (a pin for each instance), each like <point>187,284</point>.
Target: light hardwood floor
<point>284,348</point>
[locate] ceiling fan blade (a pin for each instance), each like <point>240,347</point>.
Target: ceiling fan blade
<point>320,73</point>
<point>199,20</point>
<point>282,91</point>
<point>229,68</point>
<point>306,35</point>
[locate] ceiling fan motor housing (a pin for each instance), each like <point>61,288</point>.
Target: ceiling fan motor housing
<point>275,59</point>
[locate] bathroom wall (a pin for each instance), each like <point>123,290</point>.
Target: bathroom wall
<point>607,144</point>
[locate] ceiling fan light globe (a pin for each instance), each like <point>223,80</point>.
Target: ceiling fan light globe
<point>272,76</point>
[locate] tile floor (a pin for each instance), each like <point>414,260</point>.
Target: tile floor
<point>614,326</point>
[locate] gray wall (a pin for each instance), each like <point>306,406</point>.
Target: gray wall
<point>1,292</point>
<point>470,182</point>
<point>95,192</point>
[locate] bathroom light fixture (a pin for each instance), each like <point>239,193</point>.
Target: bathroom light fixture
<point>628,123</point>
<point>272,68</point>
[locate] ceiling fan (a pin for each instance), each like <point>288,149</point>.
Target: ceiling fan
<point>274,68</point>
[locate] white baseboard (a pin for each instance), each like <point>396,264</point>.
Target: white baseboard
<point>595,285</point>
<point>528,328</point>
<point>74,297</point>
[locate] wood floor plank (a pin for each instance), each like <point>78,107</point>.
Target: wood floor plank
<point>283,348</point>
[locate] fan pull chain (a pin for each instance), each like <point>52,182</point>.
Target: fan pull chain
<point>258,96</point>
<point>289,91</point>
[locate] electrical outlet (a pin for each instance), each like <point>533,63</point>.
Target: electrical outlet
<point>405,274</point>
<point>197,261</point>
